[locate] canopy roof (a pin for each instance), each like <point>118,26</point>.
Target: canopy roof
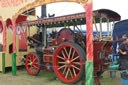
<point>120,28</point>
<point>106,13</point>
<point>75,19</point>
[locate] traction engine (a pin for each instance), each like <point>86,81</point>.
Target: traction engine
<point>66,53</point>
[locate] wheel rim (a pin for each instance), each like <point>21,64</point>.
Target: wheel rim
<point>32,64</point>
<point>67,63</point>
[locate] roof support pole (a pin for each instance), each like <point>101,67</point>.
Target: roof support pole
<point>89,40</point>
<point>74,28</point>
<point>4,36</point>
<point>112,29</point>
<point>14,48</point>
<point>100,28</point>
<point>96,28</point>
<point>4,47</point>
<point>45,35</point>
<point>107,27</point>
<point>14,35</point>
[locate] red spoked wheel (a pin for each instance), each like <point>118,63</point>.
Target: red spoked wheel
<point>33,63</point>
<point>68,62</point>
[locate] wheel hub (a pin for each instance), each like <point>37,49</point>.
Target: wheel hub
<point>67,62</point>
<point>30,63</point>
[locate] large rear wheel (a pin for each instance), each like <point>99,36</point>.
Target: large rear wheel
<point>33,64</point>
<point>69,62</point>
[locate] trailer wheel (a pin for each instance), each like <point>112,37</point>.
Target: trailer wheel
<point>68,62</point>
<point>33,63</point>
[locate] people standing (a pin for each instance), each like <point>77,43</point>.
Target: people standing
<point>124,36</point>
<point>123,60</point>
<point>123,49</point>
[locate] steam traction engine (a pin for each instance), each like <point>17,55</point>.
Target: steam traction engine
<point>65,50</point>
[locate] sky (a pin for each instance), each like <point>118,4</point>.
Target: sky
<point>65,8</point>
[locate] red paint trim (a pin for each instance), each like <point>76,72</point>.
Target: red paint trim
<point>21,18</point>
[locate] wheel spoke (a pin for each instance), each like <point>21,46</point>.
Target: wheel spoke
<point>67,73</point>
<point>64,70</point>
<point>70,72</point>
<point>78,63</point>
<point>34,59</point>
<point>60,57</point>
<point>35,66</point>
<point>75,58</point>
<point>29,64</point>
<point>36,63</point>
<point>66,51</point>
<point>69,53</point>
<point>61,62</point>
<point>61,67</point>
<point>75,67</point>
<point>73,54</point>
<point>74,71</point>
<point>63,54</point>
<point>30,58</point>
<point>31,68</point>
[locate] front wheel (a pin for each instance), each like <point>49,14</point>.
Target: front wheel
<point>68,62</point>
<point>33,64</point>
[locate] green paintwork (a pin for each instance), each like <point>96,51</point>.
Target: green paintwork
<point>13,64</point>
<point>3,62</point>
<point>89,73</point>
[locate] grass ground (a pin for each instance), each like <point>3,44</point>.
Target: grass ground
<point>46,78</point>
<point>106,80</point>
